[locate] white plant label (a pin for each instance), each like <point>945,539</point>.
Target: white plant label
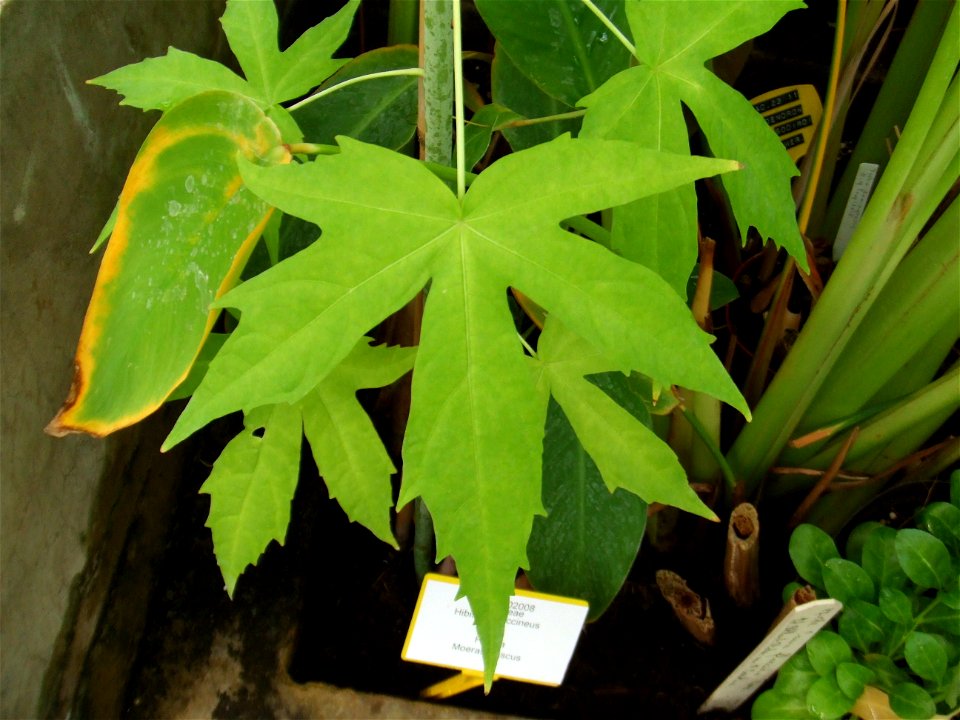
<point>538,640</point>
<point>856,203</point>
<point>790,634</point>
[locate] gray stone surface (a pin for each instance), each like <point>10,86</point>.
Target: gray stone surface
<point>65,148</point>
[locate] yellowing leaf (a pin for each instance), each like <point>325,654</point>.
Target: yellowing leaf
<point>185,225</point>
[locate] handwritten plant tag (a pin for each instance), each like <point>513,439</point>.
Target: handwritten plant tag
<point>790,634</point>
<point>538,640</point>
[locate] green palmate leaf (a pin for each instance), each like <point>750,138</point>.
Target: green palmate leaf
<point>643,104</point>
<point>184,228</point>
<point>923,558</point>
<point>252,29</point>
<point>587,543</point>
<point>382,112</point>
<point>349,454</point>
<point>251,487</point>
<point>211,347</point>
<point>810,548</point>
<point>389,226</point>
<point>560,45</point>
<point>627,452</point>
<point>160,83</point>
<point>512,89</point>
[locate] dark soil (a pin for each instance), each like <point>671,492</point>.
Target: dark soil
<point>347,600</point>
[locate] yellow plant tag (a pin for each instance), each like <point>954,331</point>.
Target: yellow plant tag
<point>538,640</point>
<point>794,113</point>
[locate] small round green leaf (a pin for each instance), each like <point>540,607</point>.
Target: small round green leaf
<point>778,705</point>
<point>880,558</point>
<point>896,606</point>
<point>810,548</point>
<point>926,656</point>
<point>846,581</point>
<point>887,671</point>
<point>826,701</point>
<point>796,676</point>
<point>912,702</point>
<point>852,678</point>
<point>826,650</point>
<point>923,557</point>
<point>863,625</point>
<point>942,520</point>
<point>858,537</point>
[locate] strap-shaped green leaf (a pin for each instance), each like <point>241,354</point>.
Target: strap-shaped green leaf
<point>185,225</point>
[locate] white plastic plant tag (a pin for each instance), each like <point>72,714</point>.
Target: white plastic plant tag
<point>790,634</point>
<point>538,641</point>
<point>856,203</point>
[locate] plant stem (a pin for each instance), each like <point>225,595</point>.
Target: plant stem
<point>403,22</point>
<point>415,72</point>
<point>458,99</point>
<point>572,115</point>
<point>711,445</point>
<point>611,27</point>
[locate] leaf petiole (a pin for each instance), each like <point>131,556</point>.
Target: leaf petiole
<point>458,100</point>
<point>631,48</point>
<point>415,72</point>
<point>523,122</point>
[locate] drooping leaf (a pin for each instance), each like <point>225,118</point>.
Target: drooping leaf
<point>185,225</point>
<point>160,83</point>
<point>252,30</point>
<point>251,487</point>
<point>382,112</point>
<point>480,129</point>
<point>586,544</point>
<point>211,347</point>
<point>627,452</point>
<point>559,45</point>
<point>389,226</point>
<point>349,454</point>
<point>643,104</point>
<point>511,89</point>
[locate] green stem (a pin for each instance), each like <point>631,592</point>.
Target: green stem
<point>708,442</point>
<point>458,99</point>
<point>631,48</point>
<point>415,72</point>
<point>306,148</point>
<point>594,231</point>
<point>572,115</point>
<point>403,22</point>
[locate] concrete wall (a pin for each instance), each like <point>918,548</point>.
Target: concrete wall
<point>64,152</point>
